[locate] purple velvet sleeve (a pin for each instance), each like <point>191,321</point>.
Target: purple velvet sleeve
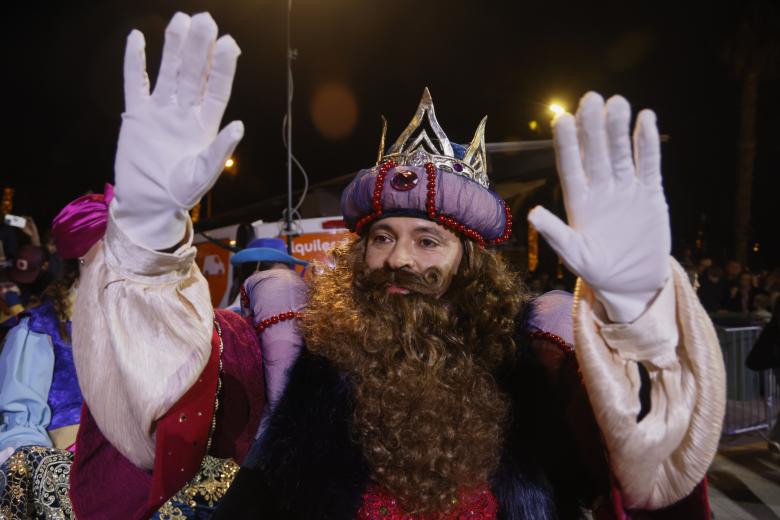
<point>271,293</point>
<point>551,313</point>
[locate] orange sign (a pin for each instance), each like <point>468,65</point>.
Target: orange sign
<point>214,263</point>
<point>314,246</point>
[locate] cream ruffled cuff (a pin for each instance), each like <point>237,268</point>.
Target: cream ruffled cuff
<point>660,459</point>
<point>142,329</point>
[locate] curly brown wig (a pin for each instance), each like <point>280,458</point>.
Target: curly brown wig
<point>428,414</point>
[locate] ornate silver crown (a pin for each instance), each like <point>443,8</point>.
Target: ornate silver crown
<point>424,141</point>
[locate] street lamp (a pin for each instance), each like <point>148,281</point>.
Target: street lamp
<point>231,166</point>
<point>557,108</point>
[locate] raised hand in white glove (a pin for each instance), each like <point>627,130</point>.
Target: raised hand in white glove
<point>618,237</point>
<point>169,153</point>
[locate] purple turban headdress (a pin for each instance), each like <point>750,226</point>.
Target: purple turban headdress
<point>424,175</point>
<point>81,223</point>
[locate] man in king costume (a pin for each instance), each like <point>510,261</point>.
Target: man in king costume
<point>428,384</point>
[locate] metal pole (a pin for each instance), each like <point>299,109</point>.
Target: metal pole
<point>288,223</point>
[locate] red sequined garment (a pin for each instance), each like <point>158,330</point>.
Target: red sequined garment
<point>476,504</point>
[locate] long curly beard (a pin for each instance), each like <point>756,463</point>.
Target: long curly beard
<point>428,414</point>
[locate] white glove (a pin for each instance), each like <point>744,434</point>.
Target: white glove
<point>169,154</point>
<point>618,237</point>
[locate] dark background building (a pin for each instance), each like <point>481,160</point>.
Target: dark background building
<point>62,91</point>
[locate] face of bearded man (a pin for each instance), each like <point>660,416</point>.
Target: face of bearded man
<point>420,340</point>
<point>415,246</point>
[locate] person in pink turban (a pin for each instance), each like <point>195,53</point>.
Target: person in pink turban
<point>40,398</point>
<point>81,223</point>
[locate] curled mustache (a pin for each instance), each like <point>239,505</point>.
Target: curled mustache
<point>431,282</point>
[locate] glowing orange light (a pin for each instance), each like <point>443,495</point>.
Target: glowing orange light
<point>557,108</point>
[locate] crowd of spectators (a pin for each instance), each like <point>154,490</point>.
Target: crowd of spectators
<point>28,265</point>
<point>734,292</point>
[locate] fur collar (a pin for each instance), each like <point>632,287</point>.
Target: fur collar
<point>306,465</point>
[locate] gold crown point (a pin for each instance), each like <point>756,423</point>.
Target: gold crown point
<point>415,147</point>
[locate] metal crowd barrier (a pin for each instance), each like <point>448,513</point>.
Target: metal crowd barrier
<point>753,398</point>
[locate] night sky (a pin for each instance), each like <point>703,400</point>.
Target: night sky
<point>62,90</point>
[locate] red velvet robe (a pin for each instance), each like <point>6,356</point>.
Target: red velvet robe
<point>105,485</point>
